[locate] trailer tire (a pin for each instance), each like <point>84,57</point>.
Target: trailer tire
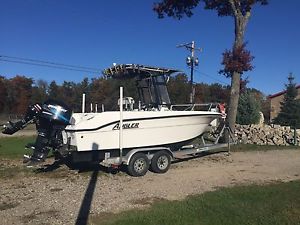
<point>138,165</point>
<point>160,162</point>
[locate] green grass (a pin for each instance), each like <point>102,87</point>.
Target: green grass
<point>14,147</point>
<point>265,205</point>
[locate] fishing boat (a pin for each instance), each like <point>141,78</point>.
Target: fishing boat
<point>153,123</point>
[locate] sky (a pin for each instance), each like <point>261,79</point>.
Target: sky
<point>95,33</point>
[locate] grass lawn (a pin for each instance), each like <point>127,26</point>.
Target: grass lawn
<point>265,205</point>
<point>14,147</point>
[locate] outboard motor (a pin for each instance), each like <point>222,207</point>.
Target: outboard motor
<point>50,118</point>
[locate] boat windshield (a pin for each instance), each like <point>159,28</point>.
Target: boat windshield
<point>153,91</point>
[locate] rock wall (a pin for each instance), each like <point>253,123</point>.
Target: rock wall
<point>266,135</point>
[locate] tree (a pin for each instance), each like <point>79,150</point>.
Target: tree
<point>105,91</point>
<point>178,88</point>
<point>236,61</point>
<point>53,90</point>
<point>19,93</point>
<point>289,114</point>
<point>219,93</point>
<point>67,94</point>
<point>248,109</point>
<point>3,94</point>
<point>263,101</point>
<point>213,93</point>
<point>40,92</point>
<point>79,89</point>
<point>202,93</point>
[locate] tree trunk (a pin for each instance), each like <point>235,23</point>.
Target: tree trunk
<point>240,26</point>
<point>234,99</point>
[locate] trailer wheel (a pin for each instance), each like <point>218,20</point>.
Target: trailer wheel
<point>138,165</point>
<point>160,162</point>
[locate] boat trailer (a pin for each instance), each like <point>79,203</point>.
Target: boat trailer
<point>218,138</point>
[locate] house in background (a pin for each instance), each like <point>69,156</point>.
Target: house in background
<point>275,101</point>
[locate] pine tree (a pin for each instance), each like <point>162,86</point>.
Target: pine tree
<point>289,114</point>
<point>248,109</point>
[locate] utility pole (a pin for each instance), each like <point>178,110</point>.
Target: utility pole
<point>191,61</point>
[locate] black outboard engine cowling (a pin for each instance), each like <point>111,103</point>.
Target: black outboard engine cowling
<point>50,118</point>
<point>56,112</point>
<point>53,119</point>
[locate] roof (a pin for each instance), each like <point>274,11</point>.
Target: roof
<point>136,70</point>
<point>281,93</point>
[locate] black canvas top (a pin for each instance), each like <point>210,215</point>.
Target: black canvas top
<point>136,70</point>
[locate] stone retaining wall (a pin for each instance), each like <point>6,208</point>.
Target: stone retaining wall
<point>266,135</point>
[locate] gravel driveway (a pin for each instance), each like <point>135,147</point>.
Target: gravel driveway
<point>65,196</point>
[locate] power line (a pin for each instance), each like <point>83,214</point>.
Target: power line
<point>55,65</point>
<point>52,63</point>
<point>211,77</point>
<point>44,65</point>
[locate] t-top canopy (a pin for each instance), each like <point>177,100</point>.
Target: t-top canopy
<point>135,70</point>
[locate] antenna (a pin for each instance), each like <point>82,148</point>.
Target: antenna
<point>191,61</point>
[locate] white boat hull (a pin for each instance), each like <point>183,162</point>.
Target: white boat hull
<point>100,131</point>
